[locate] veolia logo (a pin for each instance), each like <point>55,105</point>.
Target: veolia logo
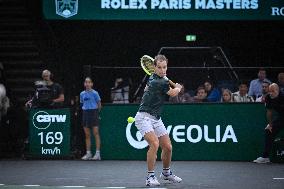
<point>139,143</point>
<point>192,134</point>
<point>42,119</point>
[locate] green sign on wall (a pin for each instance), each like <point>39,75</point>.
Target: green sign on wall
<point>49,134</point>
<point>198,132</point>
<point>164,9</point>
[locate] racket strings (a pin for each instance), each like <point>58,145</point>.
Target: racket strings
<point>148,64</point>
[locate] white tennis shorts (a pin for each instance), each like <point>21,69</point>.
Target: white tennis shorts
<point>146,123</point>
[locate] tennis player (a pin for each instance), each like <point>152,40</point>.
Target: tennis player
<point>149,123</point>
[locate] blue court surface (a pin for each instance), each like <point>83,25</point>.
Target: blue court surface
<point>47,174</point>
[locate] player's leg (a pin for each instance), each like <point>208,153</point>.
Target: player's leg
<point>153,142</point>
<point>96,133</point>
<point>145,127</point>
<point>88,154</point>
<point>166,156</point>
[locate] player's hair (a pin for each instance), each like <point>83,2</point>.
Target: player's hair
<point>160,58</point>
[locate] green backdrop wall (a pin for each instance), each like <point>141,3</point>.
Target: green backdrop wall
<point>198,132</point>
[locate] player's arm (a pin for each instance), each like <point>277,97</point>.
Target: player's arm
<point>174,91</point>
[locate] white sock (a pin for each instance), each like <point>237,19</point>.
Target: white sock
<point>166,171</point>
<point>151,174</point>
<point>97,152</point>
<point>89,152</point>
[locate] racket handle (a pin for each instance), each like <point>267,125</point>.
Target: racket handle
<point>172,84</point>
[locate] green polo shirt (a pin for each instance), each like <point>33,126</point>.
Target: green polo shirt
<point>154,97</point>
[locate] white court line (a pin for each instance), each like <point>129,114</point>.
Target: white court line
<point>31,185</point>
<point>115,187</point>
<point>278,178</point>
<point>2,184</point>
<point>74,186</point>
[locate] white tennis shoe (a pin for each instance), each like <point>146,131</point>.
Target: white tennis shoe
<point>172,178</point>
<point>97,157</point>
<point>87,156</point>
<point>262,160</point>
<point>152,181</point>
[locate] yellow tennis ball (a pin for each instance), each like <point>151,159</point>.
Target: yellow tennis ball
<point>130,119</point>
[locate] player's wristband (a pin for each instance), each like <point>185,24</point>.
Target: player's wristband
<point>178,89</point>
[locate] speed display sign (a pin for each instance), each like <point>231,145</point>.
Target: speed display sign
<point>49,132</point>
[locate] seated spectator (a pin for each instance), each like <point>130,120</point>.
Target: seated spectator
<point>242,95</point>
<point>265,86</point>
<point>201,95</point>
<point>120,92</point>
<point>274,103</point>
<point>281,82</point>
<point>226,96</point>
<point>255,87</point>
<point>213,94</point>
<point>182,97</point>
<point>48,94</point>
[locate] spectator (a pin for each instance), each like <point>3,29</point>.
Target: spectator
<point>281,82</point>
<point>265,86</point>
<point>48,93</point>
<point>91,105</point>
<point>4,101</point>
<point>2,74</point>
<point>226,96</point>
<point>120,92</point>
<point>274,103</point>
<point>213,94</point>
<point>182,97</point>
<point>201,95</point>
<point>242,95</point>
<point>255,87</point>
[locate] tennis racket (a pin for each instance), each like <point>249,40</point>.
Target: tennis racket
<point>147,63</point>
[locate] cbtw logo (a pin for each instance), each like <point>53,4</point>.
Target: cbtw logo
<point>42,119</point>
<point>180,133</point>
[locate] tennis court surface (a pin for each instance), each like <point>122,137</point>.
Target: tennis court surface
<point>47,174</point>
